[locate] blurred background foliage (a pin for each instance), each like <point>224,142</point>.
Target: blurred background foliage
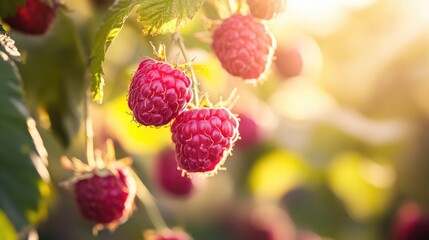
<point>342,136</point>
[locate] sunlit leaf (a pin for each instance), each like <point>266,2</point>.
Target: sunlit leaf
<point>23,175</point>
<point>165,16</point>
<point>7,231</point>
<point>275,173</point>
<point>363,185</point>
<point>112,25</point>
<point>138,139</point>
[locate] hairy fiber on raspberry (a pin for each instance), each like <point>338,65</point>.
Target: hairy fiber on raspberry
<point>244,46</point>
<point>158,93</point>
<point>203,138</point>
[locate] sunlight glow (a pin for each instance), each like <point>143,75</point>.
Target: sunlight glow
<point>301,99</point>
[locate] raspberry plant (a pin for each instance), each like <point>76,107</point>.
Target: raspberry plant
<point>162,93</point>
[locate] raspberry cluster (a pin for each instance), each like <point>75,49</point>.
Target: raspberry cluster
<point>203,136</point>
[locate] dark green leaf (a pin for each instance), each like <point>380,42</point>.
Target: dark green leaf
<point>54,76</point>
<point>165,16</point>
<point>8,7</point>
<point>112,25</point>
<point>23,176</point>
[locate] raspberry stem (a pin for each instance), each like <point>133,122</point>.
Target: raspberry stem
<point>149,202</point>
<point>178,39</point>
<point>89,132</point>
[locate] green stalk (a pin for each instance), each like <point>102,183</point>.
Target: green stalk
<point>178,39</point>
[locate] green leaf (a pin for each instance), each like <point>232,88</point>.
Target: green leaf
<point>52,81</point>
<point>7,231</point>
<point>23,175</point>
<point>8,7</point>
<point>112,25</point>
<point>165,16</point>
<point>364,185</point>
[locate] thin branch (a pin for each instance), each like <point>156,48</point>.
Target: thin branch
<point>89,132</point>
<point>149,202</point>
<point>178,39</point>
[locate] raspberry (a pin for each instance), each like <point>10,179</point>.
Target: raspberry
<point>249,132</point>
<point>410,223</point>
<point>169,177</point>
<point>105,196</point>
<point>167,234</point>
<point>158,93</point>
<point>244,47</point>
<point>34,18</point>
<point>104,189</point>
<point>288,61</point>
<point>266,9</point>
<point>203,138</point>
<point>261,223</point>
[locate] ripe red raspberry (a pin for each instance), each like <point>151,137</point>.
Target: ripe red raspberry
<point>288,61</point>
<point>158,93</point>
<point>34,18</point>
<point>260,223</point>
<point>169,177</point>
<point>244,46</point>
<point>411,223</point>
<point>203,138</point>
<point>105,196</point>
<point>167,234</point>
<point>266,9</point>
<point>250,133</point>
